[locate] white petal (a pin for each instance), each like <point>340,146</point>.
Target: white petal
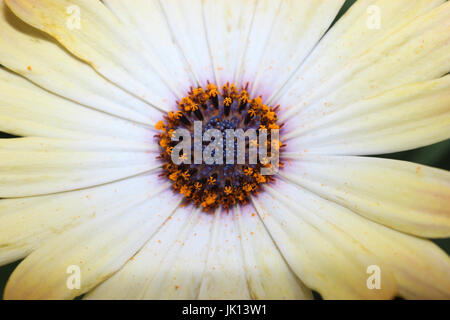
<point>186,23</point>
<point>405,196</point>
<point>268,275</point>
<point>411,46</point>
<point>169,266</point>
<point>224,277</point>
<point>27,110</point>
<point>36,166</point>
<point>101,40</point>
<point>227,25</point>
<point>421,269</point>
<point>25,223</point>
<point>147,18</point>
<point>323,256</point>
<point>98,248</point>
<point>283,33</point>
<point>39,58</point>
<point>172,264</point>
<point>408,117</point>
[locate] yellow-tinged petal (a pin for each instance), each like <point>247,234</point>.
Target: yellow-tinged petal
<point>357,60</point>
<point>186,24</point>
<point>169,266</point>
<point>148,20</point>
<point>405,196</point>
<point>26,223</point>
<point>94,250</point>
<point>421,269</point>
<point>224,276</point>
<point>268,275</point>
<point>92,33</point>
<point>28,110</point>
<point>37,166</point>
<point>408,117</point>
<point>283,33</point>
<point>39,58</point>
<point>325,257</point>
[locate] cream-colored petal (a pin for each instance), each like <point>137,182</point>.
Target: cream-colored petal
<point>26,223</point>
<point>227,25</point>
<point>27,110</point>
<point>186,273</point>
<point>37,166</point>
<point>268,275</point>
<point>36,56</point>
<point>165,268</point>
<point>353,35</point>
<point>283,33</point>
<point>412,45</point>
<point>407,117</point>
<point>323,256</point>
<point>101,40</point>
<point>186,22</point>
<point>405,196</point>
<point>98,248</point>
<point>224,277</point>
<point>147,18</point>
<point>421,269</point>
<point>169,266</point>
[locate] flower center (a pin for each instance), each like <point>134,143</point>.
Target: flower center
<point>219,147</point>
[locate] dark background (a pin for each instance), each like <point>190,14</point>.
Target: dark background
<point>437,155</point>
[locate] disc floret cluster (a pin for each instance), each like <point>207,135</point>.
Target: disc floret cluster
<point>226,184</point>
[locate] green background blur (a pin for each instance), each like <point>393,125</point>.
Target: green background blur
<point>437,155</point>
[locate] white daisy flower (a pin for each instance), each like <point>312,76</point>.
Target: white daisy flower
<point>87,189</point>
